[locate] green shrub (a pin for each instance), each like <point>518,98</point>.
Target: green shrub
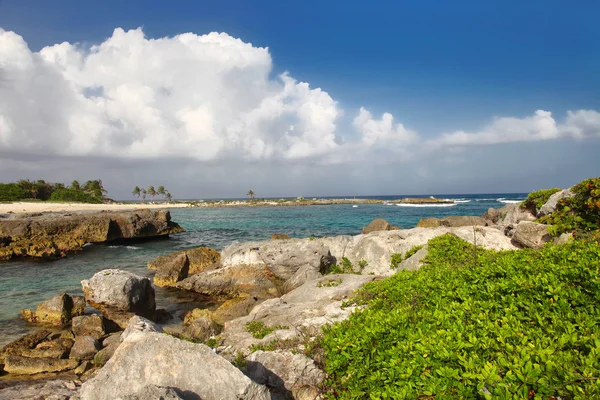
<point>346,267</point>
<point>395,260</point>
<point>513,324</point>
<point>412,251</point>
<point>535,200</point>
<point>11,192</point>
<point>259,330</point>
<point>74,195</point>
<point>580,213</point>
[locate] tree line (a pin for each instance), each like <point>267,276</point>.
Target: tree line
<point>143,193</point>
<point>91,191</point>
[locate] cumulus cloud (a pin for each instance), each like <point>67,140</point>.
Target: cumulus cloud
<point>541,126</point>
<point>204,97</point>
<point>383,132</point>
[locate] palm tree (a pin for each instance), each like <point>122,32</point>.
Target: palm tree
<point>161,191</point>
<point>251,194</point>
<point>137,192</point>
<point>168,196</point>
<point>144,193</point>
<point>29,187</point>
<point>151,192</point>
<point>75,185</point>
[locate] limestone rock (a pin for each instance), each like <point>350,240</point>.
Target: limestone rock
<point>509,215</point>
<point>118,294</point>
<point>57,311</point>
<point>283,371</point>
<point>170,273</point>
<point>415,261</point>
<point>47,390</point>
<point>102,356</point>
<point>28,341</point>
<point>187,367</point>
<point>201,325</point>
<point>19,365</point>
<point>280,236</point>
<point>79,305</point>
<point>234,308</point>
<point>139,324</point>
<point>200,259</point>
<point>550,206</point>
<point>155,392</point>
<point>452,222</point>
<point>532,235</point>
<point>428,223</point>
<point>83,368</point>
<point>92,325</point>
<point>84,348</point>
<point>114,338</point>
<point>55,235</point>
<point>378,224</point>
<point>51,349</point>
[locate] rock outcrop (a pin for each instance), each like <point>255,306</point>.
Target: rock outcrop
<point>58,311</point>
<point>532,235</point>
<point>452,222</point>
<point>147,358</point>
<point>200,259</point>
<point>378,224</point>
<point>168,274</point>
<point>119,295</point>
<point>50,236</point>
<point>550,206</point>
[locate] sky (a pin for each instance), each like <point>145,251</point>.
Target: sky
<point>311,98</point>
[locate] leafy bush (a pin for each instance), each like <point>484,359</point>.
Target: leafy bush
<point>347,267</point>
<point>11,192</point>
<point>535,200</point>
<point>580,213</point>
<point>513,324</point>
<point>413,250</point>
<point>259,330</point>
<point>74,195</point>
<point>395,260</point>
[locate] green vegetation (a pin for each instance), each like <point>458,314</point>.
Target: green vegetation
<point>239,361</point>
<point>259,330</point>
<point>24,189</point>
<point>515,324</point>
<point>535,200</point>
<point>412,251</point>
<point>213,343</point>
<point>579,214</point>
<point>395,260</point>
<point>345,268</point>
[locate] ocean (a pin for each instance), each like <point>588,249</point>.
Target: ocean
<point>23,284</point>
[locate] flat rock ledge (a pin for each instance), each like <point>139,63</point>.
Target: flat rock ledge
<point>51,236</point>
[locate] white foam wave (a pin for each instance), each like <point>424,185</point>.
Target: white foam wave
<point>426,205</point>
<point>503,200</point>
<point>461,201</point>
<point>127,247</point>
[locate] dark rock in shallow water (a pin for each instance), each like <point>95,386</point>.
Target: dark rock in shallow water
<point>119,295</point>
<point>378,224</point>
<point>50,236</point>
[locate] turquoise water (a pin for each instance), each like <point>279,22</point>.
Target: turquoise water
<point>23,284</point>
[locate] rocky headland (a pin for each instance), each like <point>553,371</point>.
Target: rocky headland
<point>51,236</point>
<point>275,297</point>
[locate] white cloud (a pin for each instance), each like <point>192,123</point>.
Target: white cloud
<point>383,132</point>
<point>541,126</point>
<point>204,97</point>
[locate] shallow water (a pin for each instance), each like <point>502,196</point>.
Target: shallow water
<point>23,284</point>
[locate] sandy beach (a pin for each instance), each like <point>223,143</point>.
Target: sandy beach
<point>33,207</point>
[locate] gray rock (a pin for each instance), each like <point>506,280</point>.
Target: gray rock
<point>532,235</point>
<point>415,261</point>
<point>120,291</point>
<point>283,371</point>
<point>48,390</point>
<point>170,273</point>
<point>156,359</point>
<point>563,238</point>
<point>153,392</point>
<point>114,338</point>
<point>378,224</point>
<point>84,348</point>
<point>89,325</point>
<point>79,305</point>
<point>140,324</point>
<point>550,206</point>
<point>201,325</point>
<point>452,222</point>
<point>18,365</point>
<point>28,341</point>
<point>102,357</point>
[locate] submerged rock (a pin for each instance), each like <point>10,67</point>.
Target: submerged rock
<point>120,295</point>
<point>280,236</point>
<point>55,235</point>
<point>157,359</point>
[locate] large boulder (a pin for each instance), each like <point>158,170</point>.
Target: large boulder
<point>550,206</point>
<point>532,235</point>
<point>88,325</point>
<point>287,373</point>
<point>55,235</point>
<point>57,311</point>
<point>200,259</point>
<point>378,224</point>
<point>157,359</point>
<point>139,324</point>
<point>119,295</point>
<point>509,215</point>
<point>155,392</point>
<point>170,273</point>
<point>84,348</point>
<point>19,365</point>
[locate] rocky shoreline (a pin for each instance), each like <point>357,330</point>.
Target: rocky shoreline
<point>275,297</point>
<point>51,236</point>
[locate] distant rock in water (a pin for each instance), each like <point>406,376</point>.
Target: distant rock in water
<point>280,236</point>
<point>379,224</point>
<point>51,236</point>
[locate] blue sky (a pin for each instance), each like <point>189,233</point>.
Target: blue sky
<point>436,66</point>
